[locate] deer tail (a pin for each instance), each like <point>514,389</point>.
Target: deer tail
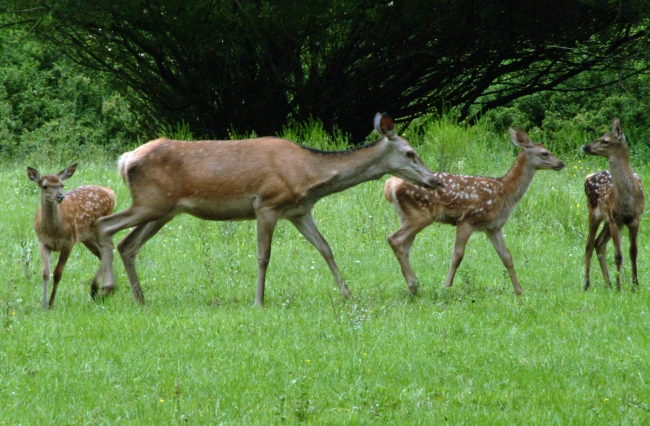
<point>389,189</point>
<point>123,166</point>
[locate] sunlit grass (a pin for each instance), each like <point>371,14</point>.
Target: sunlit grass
<point>198,352</point>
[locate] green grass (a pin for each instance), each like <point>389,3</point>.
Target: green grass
<point>199,353</point>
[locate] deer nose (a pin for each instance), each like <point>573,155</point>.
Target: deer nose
<point>559,166</point>
<point>60,198</point>
<point>434,184</point>
<point>586,149</point>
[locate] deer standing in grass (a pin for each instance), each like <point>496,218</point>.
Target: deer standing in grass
<point>265,179</point>
<point>614,196</point>
<point>63,220</point>
<point>471,203</point>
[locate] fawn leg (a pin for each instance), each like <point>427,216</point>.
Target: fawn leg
<point>499,244</point>
<point>463,232</point>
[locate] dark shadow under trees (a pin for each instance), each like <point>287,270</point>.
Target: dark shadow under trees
<point>256,65</point>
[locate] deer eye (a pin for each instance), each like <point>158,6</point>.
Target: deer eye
<point>546,154</point>
<point>605,142</point>
<point>44,186</point>
<point>410,154</point>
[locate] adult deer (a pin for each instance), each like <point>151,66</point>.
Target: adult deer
<point>614,196</point>
<point>266,179</point>
<point>63,220</point>
<point>471,203</point>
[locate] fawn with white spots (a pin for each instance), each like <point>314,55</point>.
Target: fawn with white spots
<point>263,179</point>
<point>614,196</point>
<point>471,203</point>
<point>63,220</point>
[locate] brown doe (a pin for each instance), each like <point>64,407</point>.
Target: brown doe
<point>614,196</point>
<point>63,220</point>
<point>471,203</point>
<point>264,179</point>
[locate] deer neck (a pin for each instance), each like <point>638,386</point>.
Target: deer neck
<point>50,216</point>
<point>345,169</point>
<point>518,179</point>
<point>622,174</point>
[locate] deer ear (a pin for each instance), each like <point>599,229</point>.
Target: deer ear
<point>519,138</point>
<point>33,175</point>
<point>67,173</point>
<point>384,125</point>
<point>616,128</point>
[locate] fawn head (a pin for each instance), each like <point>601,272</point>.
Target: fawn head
<point>540,157</point>
<point>51,185</point>
<point>609,144</point>
<point>403,161</point>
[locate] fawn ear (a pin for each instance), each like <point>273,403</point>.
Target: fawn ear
<point>33,175</point>
<point>616,128</point>
<point>384,125</point>
<point>67,173</point>
<point>519,138</point>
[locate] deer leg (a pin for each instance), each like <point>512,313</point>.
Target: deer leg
<point>305,224</point>
<point>93,247</point>
<point>634,250</point>
<point>109,225</point>
<point>129,248</point>
<point>618,254</point>
<point>499,244</point>
<point>401,242</point>
<point>58,272</point>
<point>589,250</point>
<point>266,222</point>
<point>463,232</point>
<point>45,273</point>
<point>601,252</point>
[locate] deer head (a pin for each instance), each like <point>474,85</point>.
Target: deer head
<point>407,165</point>
<point>536,153</point>
<point>51,185</point>
<point>608,145</point>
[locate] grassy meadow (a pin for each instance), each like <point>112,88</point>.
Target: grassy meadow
<point>200,353</point>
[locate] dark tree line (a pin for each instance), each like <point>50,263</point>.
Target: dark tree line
<point>246,65</point>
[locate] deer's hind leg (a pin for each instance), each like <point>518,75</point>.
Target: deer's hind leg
<point>589,249</point>
<point>601,252</point>
<point>401,242</point>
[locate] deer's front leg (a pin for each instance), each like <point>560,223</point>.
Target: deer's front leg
<point>58,271</point>
<point>305,224</point>
<point>45,272</point>
<point>463,232</point>
<point>634,250</point>
<point>615,231</point>
<point>266,221</point>
<point>499,244</point>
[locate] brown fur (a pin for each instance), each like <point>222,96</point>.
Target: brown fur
<point>266,179</point>
<point>62,221</point>
<point>614,196</point>
<point>471,203</point>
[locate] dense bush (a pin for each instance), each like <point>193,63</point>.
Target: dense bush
<point>49,103</point>
<point>560,116</point>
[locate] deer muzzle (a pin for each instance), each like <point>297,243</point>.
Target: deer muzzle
<point>60,198</point>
